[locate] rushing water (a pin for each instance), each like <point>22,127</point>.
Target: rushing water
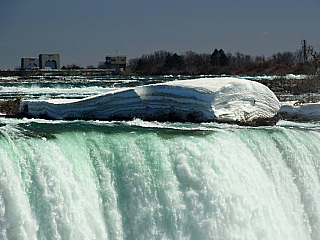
<point>150,180</point>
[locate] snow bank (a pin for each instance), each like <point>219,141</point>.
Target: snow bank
<point>204,99</point>
<point>305,111</point>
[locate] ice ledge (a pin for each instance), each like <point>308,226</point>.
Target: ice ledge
<point>198,100</point>
<point>302,112</point>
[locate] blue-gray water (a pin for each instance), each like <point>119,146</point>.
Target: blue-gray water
<point>150,180</point>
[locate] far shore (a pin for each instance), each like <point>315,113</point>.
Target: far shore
<point>58,72</point>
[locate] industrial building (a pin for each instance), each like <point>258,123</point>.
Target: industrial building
<point>29,63</point>
<point>45,61</point>
<point>49,61</point>
<point>118,63</point>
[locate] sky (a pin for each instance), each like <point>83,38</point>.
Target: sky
<point>85,32</point>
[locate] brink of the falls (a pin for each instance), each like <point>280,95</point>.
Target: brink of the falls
<point>197,100</point>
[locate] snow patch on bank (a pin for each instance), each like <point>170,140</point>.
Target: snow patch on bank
<point>198,100</point>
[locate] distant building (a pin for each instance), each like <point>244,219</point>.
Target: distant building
<point>49,61</point>
<point>118,62</point>
<point>45,61</point>
<point>29,63</point>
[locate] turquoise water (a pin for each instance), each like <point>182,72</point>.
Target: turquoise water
<point>150,180</point>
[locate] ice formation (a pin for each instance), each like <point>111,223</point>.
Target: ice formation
<point>306,111</point>
<point>197,100</point>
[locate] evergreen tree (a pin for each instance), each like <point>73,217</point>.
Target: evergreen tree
<point>223,60</point>
<point>215,58</point>
<point>219,58</point>
<point>174,61</point>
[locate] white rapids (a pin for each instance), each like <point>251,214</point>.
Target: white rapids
<point>197,100</point>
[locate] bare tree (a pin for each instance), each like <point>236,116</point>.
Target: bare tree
<point>102,65</point>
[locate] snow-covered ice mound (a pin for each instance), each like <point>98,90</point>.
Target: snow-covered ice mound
<point>198,100</point>
<point>304,112</point>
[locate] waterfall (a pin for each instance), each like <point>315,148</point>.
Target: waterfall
<point>148,180</point>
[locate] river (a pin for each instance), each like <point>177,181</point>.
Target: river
<point>150,180</point>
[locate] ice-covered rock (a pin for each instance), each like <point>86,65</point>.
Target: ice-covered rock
<point>204,99</point>
<point>303,111</point>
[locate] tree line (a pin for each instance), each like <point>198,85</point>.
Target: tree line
<point>218,62</point>
<point>303,61</point>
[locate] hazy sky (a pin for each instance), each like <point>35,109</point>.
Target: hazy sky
<point>84,32</point>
